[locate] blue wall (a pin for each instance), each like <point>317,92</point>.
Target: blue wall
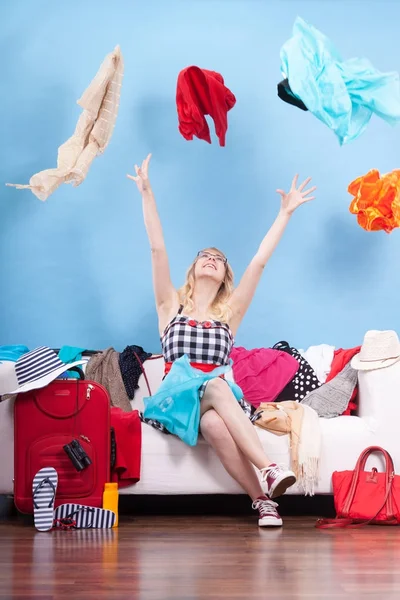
<point>76,269</point>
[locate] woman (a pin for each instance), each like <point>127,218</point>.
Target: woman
<point>201,321</point>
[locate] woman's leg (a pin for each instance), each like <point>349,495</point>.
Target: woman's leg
<point>238,466</point>
<point>219,396</point>
<point>216,433</point>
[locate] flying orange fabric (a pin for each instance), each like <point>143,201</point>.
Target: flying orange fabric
<point>376,200</point>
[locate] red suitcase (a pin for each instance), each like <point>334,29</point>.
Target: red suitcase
<point>47,419</point>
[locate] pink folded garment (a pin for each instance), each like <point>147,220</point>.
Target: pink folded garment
<point>262,373</point>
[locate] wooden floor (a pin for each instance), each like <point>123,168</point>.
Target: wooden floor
<point>193,558</point>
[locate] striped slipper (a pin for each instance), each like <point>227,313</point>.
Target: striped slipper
<point>77,516</point>
<point>44,488</point>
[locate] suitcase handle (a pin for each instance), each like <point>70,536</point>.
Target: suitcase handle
<point>72,397</point>
<point>79,371</point>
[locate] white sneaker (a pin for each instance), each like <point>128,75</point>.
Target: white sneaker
<point>269,516</point>
<point>277,480</point>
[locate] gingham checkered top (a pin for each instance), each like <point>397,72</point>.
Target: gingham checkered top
<point>209,342</point>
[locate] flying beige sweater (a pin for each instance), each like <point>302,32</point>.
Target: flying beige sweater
<point>100,103</point>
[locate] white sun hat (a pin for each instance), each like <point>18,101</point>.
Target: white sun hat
<point>380,349</point>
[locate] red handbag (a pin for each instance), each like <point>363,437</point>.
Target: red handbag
<point>365,497</point>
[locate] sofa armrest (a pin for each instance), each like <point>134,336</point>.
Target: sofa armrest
<point>379,394</point>
<point>379,404</point>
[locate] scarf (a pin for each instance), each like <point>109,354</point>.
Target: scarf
<point>302,425</point>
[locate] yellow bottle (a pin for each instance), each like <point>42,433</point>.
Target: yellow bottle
<point>110,499</point>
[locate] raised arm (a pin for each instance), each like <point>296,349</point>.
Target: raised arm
<point>243,294</point>
<point>164,292</point>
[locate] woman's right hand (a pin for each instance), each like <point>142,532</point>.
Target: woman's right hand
<point>142,178</point>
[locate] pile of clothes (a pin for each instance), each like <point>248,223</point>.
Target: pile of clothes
<point>320,377</point>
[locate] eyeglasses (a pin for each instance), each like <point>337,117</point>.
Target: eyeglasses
<point>217,257</point>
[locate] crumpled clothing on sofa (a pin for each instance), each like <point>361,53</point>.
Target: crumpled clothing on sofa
<point>332,398</point>
<point>262,373</point>
<point>104,368</point>
<point>305,379</point>
<point>131,365</point>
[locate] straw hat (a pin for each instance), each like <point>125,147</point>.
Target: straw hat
<point>380,349</point>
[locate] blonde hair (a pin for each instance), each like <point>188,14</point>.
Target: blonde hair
<point>220,308</point>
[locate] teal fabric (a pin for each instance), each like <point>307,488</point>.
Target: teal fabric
<point>12,353</point>
<point>70,354</point>
<point>343,94</point>
<point>176,404</point>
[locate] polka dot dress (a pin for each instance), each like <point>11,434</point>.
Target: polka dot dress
<point>305,380</point>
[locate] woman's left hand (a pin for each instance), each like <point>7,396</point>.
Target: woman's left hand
<point>296,196</point>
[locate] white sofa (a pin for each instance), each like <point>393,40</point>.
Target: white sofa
<point>171,467</point>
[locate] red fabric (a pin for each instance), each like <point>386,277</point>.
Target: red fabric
<point>262,373</point>
<point>201,366</point>
<point>340,359</point>
<point>128,437</point>
<point>200,92</point>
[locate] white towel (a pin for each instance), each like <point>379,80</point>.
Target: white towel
<point>320,359</point>
<point>309,451</point>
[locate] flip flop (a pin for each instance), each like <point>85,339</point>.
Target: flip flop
<point>77,516</point>
<point>44,488</point>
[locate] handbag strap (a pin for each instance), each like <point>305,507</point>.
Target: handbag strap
<point>356,474</point>
<point>348,522</point>
<point>360,466</point>
<point>368,451</point>
<point>144,373</point>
